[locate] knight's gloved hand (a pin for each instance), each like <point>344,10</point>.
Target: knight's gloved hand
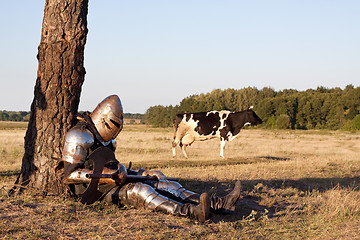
<point>155,173</point>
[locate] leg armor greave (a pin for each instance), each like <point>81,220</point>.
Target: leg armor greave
<point>178,191</point>
<point>144,196</point>
<point>141,195</point>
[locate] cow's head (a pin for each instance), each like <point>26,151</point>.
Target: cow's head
<point>252,118</point>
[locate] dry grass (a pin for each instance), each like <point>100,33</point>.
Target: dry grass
<point>296,185</point>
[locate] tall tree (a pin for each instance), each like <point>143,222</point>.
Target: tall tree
<point>57,91</point>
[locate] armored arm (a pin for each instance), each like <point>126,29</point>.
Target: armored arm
<point>78,140</point>
<point>149,174</point>
<point>154,173</point>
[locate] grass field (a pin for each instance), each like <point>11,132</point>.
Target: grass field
<point>296,185</point>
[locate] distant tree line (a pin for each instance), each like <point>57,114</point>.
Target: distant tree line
<point>21,116</point>
<point>24,116</point>
<point>133,116</point>
<point>320,108</point>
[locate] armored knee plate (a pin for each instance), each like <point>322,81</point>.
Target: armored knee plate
<point>175,189</point>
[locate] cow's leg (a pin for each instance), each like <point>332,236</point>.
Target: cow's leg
<point>174,144</point>
<point>183,148</point>
<point>222,146</point>
<point>178,136</point>
<point>186,141</point>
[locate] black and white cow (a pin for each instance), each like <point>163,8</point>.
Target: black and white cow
<point>226,125</point>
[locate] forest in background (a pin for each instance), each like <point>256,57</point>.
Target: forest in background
<point>321,108</point>
<point>20,116</point>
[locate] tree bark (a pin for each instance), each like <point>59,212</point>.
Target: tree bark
<point>57,91</point>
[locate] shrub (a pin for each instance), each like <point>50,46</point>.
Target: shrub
<point>270,123</point>
<point>283,122</point>
<point>356,122</point>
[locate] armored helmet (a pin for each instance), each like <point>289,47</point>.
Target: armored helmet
<point>108,117</point>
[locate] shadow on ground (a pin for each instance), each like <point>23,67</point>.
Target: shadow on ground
<point>248,204</point>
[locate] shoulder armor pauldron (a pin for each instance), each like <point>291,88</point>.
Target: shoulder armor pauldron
<point>77,142</point>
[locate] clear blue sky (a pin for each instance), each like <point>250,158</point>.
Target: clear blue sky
<point>158,52</point>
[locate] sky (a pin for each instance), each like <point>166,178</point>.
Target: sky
<point>161,51</point>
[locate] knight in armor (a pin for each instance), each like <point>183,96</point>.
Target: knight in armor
<point>100,129</point>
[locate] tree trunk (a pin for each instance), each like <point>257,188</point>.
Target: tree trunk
<point>57,91</point>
